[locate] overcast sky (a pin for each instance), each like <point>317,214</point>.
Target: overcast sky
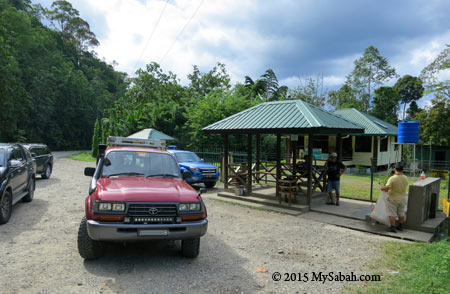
<point>294,38</point>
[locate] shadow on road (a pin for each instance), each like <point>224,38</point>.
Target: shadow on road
<point>24,218</point>
<point>156,267</point>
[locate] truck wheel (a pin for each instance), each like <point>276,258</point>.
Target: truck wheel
<point>29,197</point>
<point>210,185</point>
<point>190,248</point>
<point>88,248</point>
<point>48,172</point>
<point>5,207</point>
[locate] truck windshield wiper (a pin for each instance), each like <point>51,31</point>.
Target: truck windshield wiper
<point>126,174</point>
<point>162,176</point>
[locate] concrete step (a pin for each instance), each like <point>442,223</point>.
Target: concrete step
<point>265,202</point>
<point>363,226</point>
<point>255,205</point>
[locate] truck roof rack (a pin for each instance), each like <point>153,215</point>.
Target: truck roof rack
<point>124,141</point>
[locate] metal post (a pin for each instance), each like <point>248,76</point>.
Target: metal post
<point>414,160</point>
<point>225,161</point>
<point>277,189</point>
<point>310,158</point>
<point>249,164</point>
<point>371,179</point>
<point>258,155</point>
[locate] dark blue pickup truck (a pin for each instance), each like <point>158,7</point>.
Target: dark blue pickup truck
<point>202,172</point>
<point>17,178</point>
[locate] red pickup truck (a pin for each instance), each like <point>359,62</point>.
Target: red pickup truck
<point>138,193</point>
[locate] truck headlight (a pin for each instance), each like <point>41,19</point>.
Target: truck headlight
<point>118,207</point>
<point>194,207</point>
<point>104,206</point>
<point>195,169</point>
<point>189,207</point>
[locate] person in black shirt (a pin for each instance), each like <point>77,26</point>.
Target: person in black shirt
<point>335,169</point>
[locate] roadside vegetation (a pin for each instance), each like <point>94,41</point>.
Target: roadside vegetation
<point>82,156</point>
<point>410,268</point>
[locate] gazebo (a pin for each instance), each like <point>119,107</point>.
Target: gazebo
<point>290,117</point>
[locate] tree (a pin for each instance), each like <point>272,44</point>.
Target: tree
<point>96,138</point>
<point>412,110</point>
<point>266,88</point>
<point>73,28</point>
<point>409,89</point>
<point>434,122</point>
<point>203,83</point>
<point>310,90</point>
<point>345,97</point>
<point>430,74</point>
<point>385,104</point>
<point>370,70</point>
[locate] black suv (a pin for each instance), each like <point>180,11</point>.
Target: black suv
<point>43,158</point>
<point>17,178</point>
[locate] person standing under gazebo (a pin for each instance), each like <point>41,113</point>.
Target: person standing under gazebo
<point>334,169</point>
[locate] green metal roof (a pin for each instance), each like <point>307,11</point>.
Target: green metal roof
<point>151,134</point>
<point>291,116</point>
<point>373,126</point>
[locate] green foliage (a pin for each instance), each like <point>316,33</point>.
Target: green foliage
<point>96,138</point>
<point>409,89</point>
<point>385,104</point>
<point>310,90</point>
<point>213,107</point>
<point>51,91</point>
<point>82,156</point>
<point>430,74</point>
<point>410,268</point>
<point>434,122</point>
<point>412,110</point>
<point>370,70</point>
<point>266,88</point>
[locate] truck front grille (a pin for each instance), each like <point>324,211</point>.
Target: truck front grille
<point>152,210</point>
<point>208,171</point>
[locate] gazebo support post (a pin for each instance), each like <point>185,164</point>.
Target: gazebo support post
<point>249,164</point>
<point>258,155</point>
<point>339,146</point>
<point>225,161</point>
<point>278,165</point>
<point>310,160</point>
<point>294,157</point>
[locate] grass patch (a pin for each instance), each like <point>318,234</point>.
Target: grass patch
<point>410,268</point>
<point>82,156</point>
<point>358,186</point>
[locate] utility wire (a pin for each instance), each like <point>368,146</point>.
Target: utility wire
<point>181,32</point>
<point>151,35</point>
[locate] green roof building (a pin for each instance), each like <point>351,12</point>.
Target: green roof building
<point>376,142</point>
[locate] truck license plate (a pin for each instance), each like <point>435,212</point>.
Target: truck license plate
<point>153,233</point>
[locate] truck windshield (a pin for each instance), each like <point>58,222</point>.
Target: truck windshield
<point>2,157</point>
<point>137,163</point>
<point>187,157</point>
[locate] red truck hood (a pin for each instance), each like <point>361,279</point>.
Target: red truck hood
<point>141,189</point>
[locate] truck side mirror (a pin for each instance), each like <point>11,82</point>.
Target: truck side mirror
<point>186,175</point>
<point>14,163</point>
<point>89,171</point>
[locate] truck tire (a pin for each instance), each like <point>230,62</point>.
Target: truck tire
<point>29,197</point>
<point>5,207</point>
<point>210,185</point>
<point>190,248</point>
<point>48,172</point>
<point>88,248</point>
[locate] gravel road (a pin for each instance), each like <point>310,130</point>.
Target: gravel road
<point>38,249</point>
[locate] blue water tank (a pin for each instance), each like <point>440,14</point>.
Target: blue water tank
<point>408,131</point>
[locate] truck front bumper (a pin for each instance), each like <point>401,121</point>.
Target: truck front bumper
<point>118,232</point>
